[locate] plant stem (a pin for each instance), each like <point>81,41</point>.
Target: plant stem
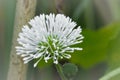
<point>25,10</point>
<point>60,71</point>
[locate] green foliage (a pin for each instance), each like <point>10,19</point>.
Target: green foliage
<point>114,53</point>
<point>95,45</point>
<point>114,56</point>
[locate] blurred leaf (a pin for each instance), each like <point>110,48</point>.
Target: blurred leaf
<point>70,70</point>
<point>10,14</point>
<point>114,53</point>
<point>114,56</point>
<point>95,45</point>
<point>90,16</point>
<point>9,8</point>
<point>80,8</point>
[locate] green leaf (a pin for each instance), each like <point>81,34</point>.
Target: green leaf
<point>95,45</point>
<point>70,70</point>
<point>114,56</point>
<point>114,53</point>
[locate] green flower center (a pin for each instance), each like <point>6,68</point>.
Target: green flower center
<point>51,46</point>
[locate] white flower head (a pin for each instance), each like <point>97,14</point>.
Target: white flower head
<point>48,37</point>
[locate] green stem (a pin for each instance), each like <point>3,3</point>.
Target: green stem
<point>111,74</point>
<point>60,71</point>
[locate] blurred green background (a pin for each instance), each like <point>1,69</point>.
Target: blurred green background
<point>100,20</point>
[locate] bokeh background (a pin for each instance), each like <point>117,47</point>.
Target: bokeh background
<point>100,20</point>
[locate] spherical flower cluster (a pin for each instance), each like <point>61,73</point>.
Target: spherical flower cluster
<point>48,37</point>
